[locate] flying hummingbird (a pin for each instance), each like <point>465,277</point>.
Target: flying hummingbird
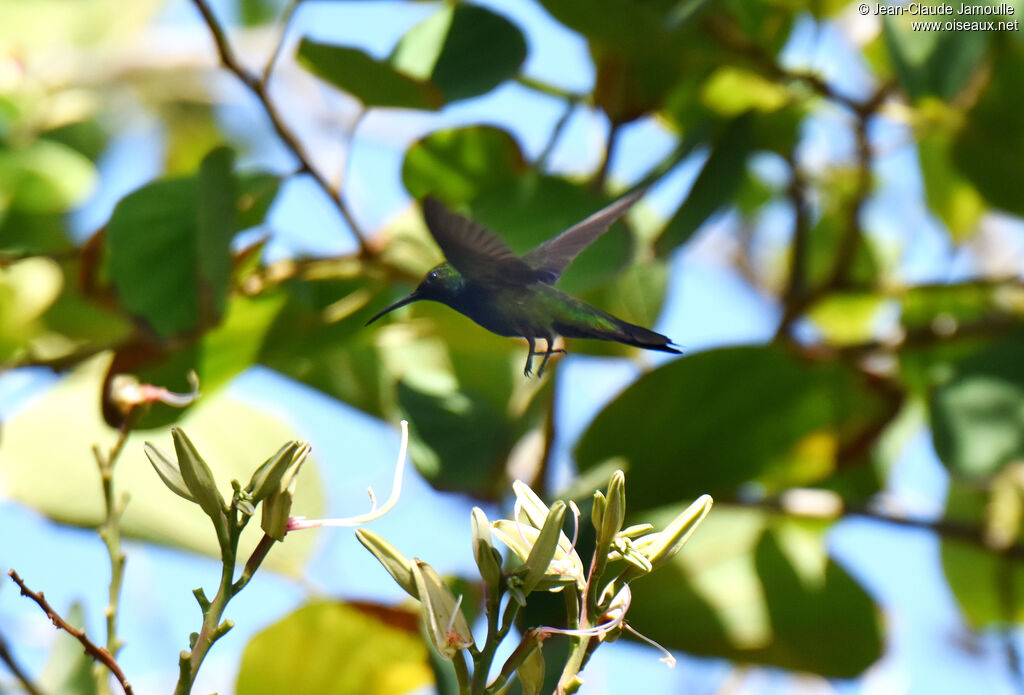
<point>512,296</point>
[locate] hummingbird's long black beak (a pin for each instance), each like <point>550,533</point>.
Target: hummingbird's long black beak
<point>401,302</point>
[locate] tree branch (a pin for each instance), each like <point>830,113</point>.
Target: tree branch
<point>98,653</point>
<point>954,530</point>
<point>261,88</point>
<point>15,668</point>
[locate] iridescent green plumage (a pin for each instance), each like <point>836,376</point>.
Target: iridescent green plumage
<point>512,296</point>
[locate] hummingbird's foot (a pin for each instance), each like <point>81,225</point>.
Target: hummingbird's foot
<point>528,369</point>
<point>547,356</point>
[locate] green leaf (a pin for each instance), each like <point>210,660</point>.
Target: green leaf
<point>989,150</point>
<point>977,415</point>
<point>981,580</point>
<point>847,317</point>
<point>458,164</point>
<point>28,289</point>
<point>950,195</point>
<point>316,339</point>
<point>371,81</point>
<point>759,589</point>
<point>718,181</point>
<point>217,224</point>
<point>458,441</point>
<point>334,648</point>
<point>710,430</point>
<point>732,91</point>
<point>984,580</point>
<point>935,63</point>
<point>256,193</point>
<point>465,50</point>
<point>44,177</point>
<point>216,357</point>
<point>168,247</point>
<point>52,478</point>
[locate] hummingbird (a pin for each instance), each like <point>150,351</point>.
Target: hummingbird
<point>514,296</point>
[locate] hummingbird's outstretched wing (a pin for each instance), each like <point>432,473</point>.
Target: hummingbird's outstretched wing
<point>476,252</point>
<point>551,258</point>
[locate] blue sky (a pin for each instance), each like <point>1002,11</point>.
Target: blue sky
<point>707,305</point>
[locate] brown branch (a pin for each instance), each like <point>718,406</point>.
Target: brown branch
<point>98,653</point>
<point>954,530</point>
<point>15,668</point>
<point>796,284</point>
<point>261,90</point>
<point>609,151</point>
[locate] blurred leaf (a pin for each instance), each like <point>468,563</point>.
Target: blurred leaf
<point>458,164</point>
<point>192,131</point>
<point>87,137</point>
<point>826,239</point>
<point>465,50</point>
<point>73,321</point>
<point>255,12</point>
<point>44,176</point>
<point>635,295</point>
<point>987,583</point>
<point>176,274</point>
<point>981,580</point>
<point>717,183</point>
<point>935,63</point>
<point>758,589</point>
<point>371,81</point>
<point>990,148</point>
<point>732,91</point>
<point>27,290</point>
<point>705,399</point>
<point>216,225</point>
<point>334,648</point>
<point>31,232</point>
<point>68,670</point>
<point>846,318</point>
<point>216,358</point>
<point>256,193</point>
<point>977,415</point>
<point>153,277</point>
<point>950,196</point>
<point>457,440</point>
<point>52,478</point>
<point>317,340</point>
<point>961,303</point>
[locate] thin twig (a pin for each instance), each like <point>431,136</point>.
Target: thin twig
<point>609,151</point>
<point>286,22</point>
<point>15,668</point>
<point>796,285</point>
<point>262,91</point>
<point>98,653</point>
<point>541,162</point>
<point>953,530</point>
<point>349,139</point>
<point>110,530</point>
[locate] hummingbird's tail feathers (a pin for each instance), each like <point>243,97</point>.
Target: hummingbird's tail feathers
<point>619,331</point>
